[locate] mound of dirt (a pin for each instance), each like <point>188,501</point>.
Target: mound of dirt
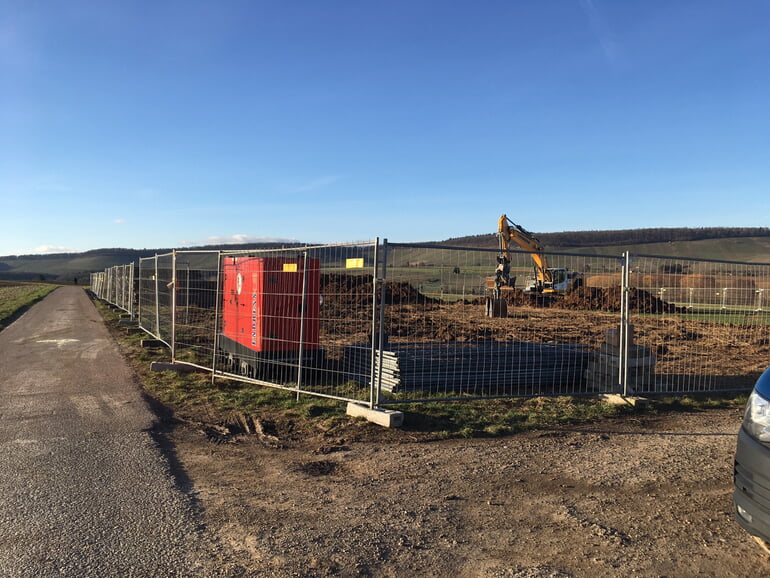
<point>341,289</point>
<point>347,289</point>
<point>603,299</point>
<point>594,299</point>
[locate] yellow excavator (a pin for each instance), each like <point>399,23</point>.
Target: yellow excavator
<point>558,280</point>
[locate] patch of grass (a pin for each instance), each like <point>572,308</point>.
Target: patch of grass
<point>494,418</point>
<point>194,396</point>
<point>698,402</point>
<point>15,298</point>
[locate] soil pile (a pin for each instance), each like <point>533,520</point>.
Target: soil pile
<point>594,299</point>
<point>609,299</point>
<point>357,289</point>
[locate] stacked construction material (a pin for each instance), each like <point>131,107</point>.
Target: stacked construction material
<point>475,368</point>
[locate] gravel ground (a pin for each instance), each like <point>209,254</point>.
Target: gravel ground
<point>643,497</point>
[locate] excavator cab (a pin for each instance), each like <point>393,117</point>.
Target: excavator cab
<point>558,277</point>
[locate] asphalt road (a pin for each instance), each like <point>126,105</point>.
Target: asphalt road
<point>85,489</point>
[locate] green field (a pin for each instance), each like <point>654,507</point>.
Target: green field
<point>16,297</point>
<point>742,249</point>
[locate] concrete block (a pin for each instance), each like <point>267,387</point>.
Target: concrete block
<point>383,417</point>
<point>617,399</point>
<point>152,343</point>
<point>612,336</point>
<point>603,368</point>
<point>634,351</point>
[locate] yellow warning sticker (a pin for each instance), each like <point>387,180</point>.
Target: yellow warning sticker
<point>357,263</point>
<point>289,267</point>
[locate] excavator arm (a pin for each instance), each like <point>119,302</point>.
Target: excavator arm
<point>508,231</point>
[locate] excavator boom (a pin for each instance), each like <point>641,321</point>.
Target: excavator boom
<point>508,231</point>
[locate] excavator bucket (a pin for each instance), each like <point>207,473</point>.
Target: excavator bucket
<point>497,307</point>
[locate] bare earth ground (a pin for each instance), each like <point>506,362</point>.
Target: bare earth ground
<point>646,497</point>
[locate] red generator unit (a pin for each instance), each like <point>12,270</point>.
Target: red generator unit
<point>270,311</point>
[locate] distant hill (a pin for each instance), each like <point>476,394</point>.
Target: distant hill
<point>67,267</point>
<point>722,243</point>
<point>749,244</point>
<point>622,237</point>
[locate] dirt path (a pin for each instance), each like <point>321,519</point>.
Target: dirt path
<point>645,497</point>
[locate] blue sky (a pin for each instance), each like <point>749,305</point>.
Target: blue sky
<point>147,124</point>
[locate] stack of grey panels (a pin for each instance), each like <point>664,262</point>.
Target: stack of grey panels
<point>505,368</point>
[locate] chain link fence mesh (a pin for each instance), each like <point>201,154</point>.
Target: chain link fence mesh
<point>393,322</point>
<point>440,342</point>
<point>703,325</point>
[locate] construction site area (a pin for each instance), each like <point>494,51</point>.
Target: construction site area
<point>384,324</point>
<point>381,323</point>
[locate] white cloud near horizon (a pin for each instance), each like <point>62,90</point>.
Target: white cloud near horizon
<point>239,239</point>
<point>52,249</point>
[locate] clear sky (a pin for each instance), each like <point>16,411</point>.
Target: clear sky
<point>169,123</point>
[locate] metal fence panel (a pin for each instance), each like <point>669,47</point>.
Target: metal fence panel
<point>115,285</point>
<point>156,275</point>
<point>196,300</point>
<point>699,325</point>
<point>148,296</point>
<point>163,293</point>
<point>292,318</point>
<point>440,343</point>
<point>124,287</point>
<point>97,284</point>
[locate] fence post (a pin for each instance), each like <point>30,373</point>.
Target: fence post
<point>139,297</point>
<point>624,324</point>
<point>218,298</point>
<point>375,370</point>
<point>172,286</point>
<point>123,288</point>
<point>131,291</point>
<point>303,309</point>
<point>381,331</point>
<point>157,300</point>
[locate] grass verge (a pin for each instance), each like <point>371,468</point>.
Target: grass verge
<point>16,298</point>
<point>193,397</point>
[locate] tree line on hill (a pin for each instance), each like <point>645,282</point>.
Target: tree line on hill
<point>622,236</point>
<point>59,267</point>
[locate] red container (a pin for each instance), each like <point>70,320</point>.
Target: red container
<point>264,307</point>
